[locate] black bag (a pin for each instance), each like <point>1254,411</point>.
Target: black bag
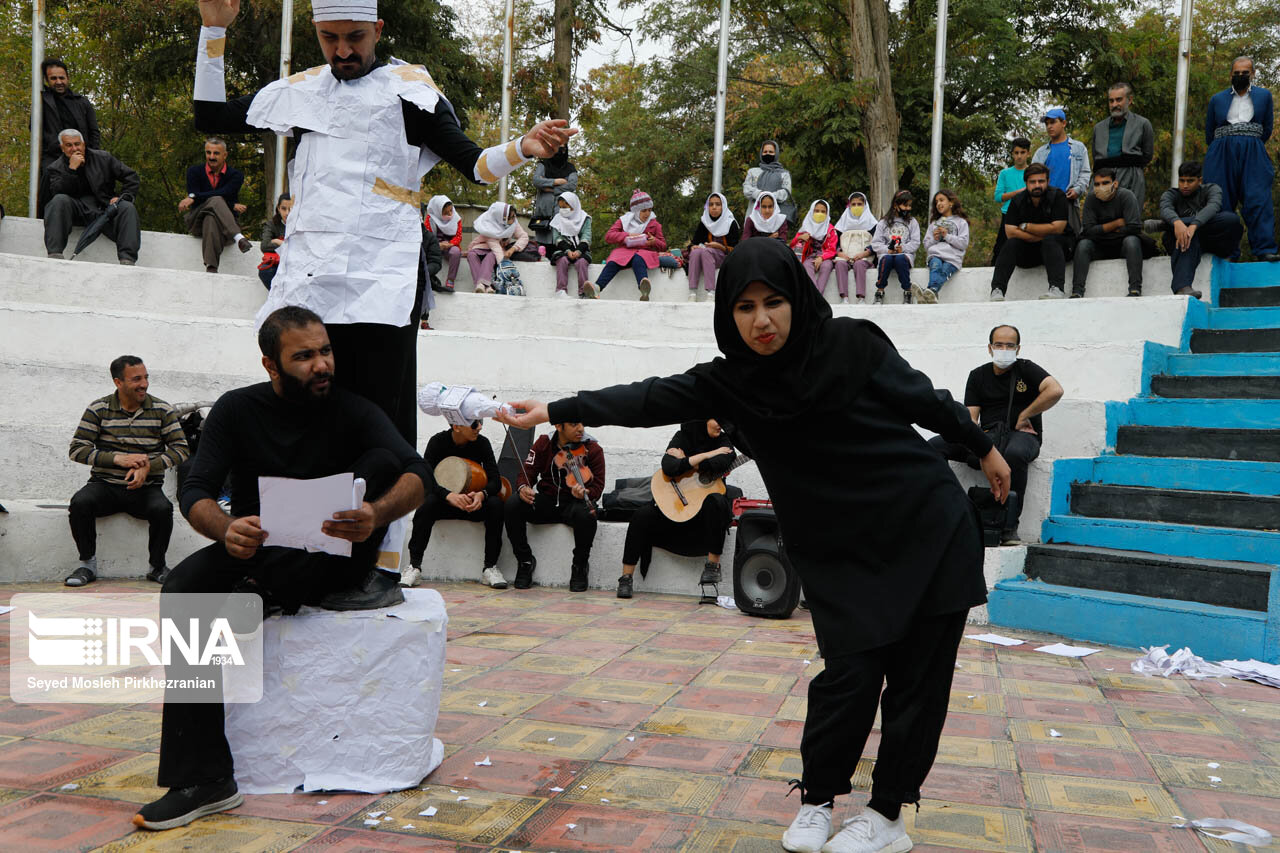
<point>527,254</point>
<point>628,495</point>
<point>995,517</point>
<point>540,223</point>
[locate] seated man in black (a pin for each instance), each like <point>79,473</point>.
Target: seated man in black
<point>699,446</point>
<point>297,425</point>
<point>1006,397</point>
<point>1036,232</point>
<point>543,496</point>
<point>486,505</point>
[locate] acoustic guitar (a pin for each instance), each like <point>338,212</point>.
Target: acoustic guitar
<point>680,499</point>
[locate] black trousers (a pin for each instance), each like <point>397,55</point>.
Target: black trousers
<point>1020,452</point>
<point>380,363</point>
<point>62,212</point>
<point>435,508</point>
<point>1051,252</point>
<point>915,673</point>
<point>702,534</point>
<point>193,741</point>
<point>544,510</point>
<point>97,499</point>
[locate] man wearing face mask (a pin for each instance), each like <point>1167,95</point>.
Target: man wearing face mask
<point>1006,397</point>
<point>1112,225</point>
<point>1237,126</point>
<point>1125,142</point>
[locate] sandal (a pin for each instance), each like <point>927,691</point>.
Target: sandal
<point>82,576</point>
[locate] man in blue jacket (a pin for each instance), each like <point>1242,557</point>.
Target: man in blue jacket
<point>213,202</point>
<point>1236,128</point>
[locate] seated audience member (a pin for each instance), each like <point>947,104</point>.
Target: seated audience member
<point>543,496</point>
<point>273,231</point>
<point>80,186</point>
<point>637,234</point>
<point>769,175</point>
<point>699,446</point>
<point>895,243</point>
<point>857,227</point>
<point>498,237</point>
<point>297,425</point>
<point>1111,228</point>
<point>715,235</point>
<point>1006,397</point>
<point>128,438</point>
<point>213,203</point>
<point>946,239</point>
<point>1068,162</point>
<point>445,222</point>
<point>1194,221</point>
<point>766,219</point>
<point>1036,228</point>
<point>570,243</point>
<point>483,506</point>
<point>1008,184</point>
<point>815,244</point>
<point>552,178</point>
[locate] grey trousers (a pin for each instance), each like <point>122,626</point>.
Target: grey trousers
<point>214,223</point>
<point>1088,249</point>
<point>62,212</point>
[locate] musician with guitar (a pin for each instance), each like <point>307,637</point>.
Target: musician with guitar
<point>466,449</point>
<point>559,483</point>
<point>691,512</point>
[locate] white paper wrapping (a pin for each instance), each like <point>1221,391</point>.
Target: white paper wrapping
<point>210,83</point>
<point>349,700</point>
<point>458,404</point>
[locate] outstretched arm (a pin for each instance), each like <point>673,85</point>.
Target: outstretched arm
<point>652,402</point>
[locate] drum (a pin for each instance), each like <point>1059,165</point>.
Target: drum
<point>460,475</point>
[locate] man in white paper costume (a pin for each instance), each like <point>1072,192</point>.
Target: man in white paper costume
<point>367,131</point>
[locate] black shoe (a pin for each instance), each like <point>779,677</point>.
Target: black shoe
<point>710,573</point>
<point>1135,290</point>
<point>244,245</point>
<point>906,297</point>
<point>624,586</point>
<point>1188,291</point>
<point>578,578</point>
<point>159,575</point>
<point>879,298</point>
<point>524,573</point>
<point>379,589</point>
<point>804,604</point>
<point>182,805</point>
<point>1078,293</point>
<point>1269,257</point>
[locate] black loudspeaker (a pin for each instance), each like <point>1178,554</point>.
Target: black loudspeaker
<point>764,583</point>
<point>515,447</point>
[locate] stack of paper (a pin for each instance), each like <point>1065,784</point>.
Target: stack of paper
<point>1254,670</point>
<point>1157,661</point>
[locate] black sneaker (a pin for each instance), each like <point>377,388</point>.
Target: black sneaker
<point>710,573</point>
<point>524,573</point>
<point>159,575</point>
<point>182,805</point>
<point>578,578</point>
<point>624,586</point>
<point>906,297</point>
<point>879,298</point>
<point>1078,293</point>
<point>379,589</point>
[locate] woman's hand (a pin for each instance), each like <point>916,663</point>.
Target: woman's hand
<point>535,412</point>
<point>998,474</point>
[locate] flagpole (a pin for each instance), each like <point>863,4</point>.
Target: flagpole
<point>507,39</point>
<point>1180,102</point>
<point>286,62</point>
<point>939,89</point>
<point>37,103</point>
<point>722,75</point>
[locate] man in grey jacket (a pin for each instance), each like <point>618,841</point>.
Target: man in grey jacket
<point>1193,222</point>
<point>1112,229</point>
<point>1124,141</point>
<point>1068,162</point>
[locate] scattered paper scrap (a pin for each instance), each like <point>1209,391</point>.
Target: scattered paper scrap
<point>1213,765</point>
<point>322,802</point>
<point>1215,778</point>
<point>485,763</point>
<point>429,811</point>
<point>1063,650</point>
<point>583,787</point>
<point>1054,733</point>
<point>631,737</point>
<point>603,800</point>
<point>807,662</point>
<point>727,602</point>
<point>971,696</point>
<point>455,670</point>
<point>387,818</point>
<point>571,825</point>
<point>482,704</point>
<point>1246,833</point>
<point>375,814</point>
<point>1157,661</point>
<point>70,786</point>
<point>748,641</point>
<point>369,822</point>
<point>995,638</point>
<point>557,790</point>
<point>550,739</point>
<point>463,799</point>
<point>4,610</point>
<point>407,826</point>
<point>1254,670</point>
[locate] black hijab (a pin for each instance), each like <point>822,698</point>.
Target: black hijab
<point>822,366</point>
<point>558,165</point>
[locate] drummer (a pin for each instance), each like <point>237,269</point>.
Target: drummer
<point>456,496</point>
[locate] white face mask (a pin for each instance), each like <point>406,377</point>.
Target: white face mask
<point>1004,358</point>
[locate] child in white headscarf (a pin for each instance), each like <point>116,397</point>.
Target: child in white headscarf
<point>715,235</point>
<point>815,244</point>
<point>857,225</point>
<point>570,242</point>
<point>447,225</point>
<point>498,234</point>
<point>766,219</point>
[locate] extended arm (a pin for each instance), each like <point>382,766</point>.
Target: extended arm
<point>911,393</point>
<point>651,402</point>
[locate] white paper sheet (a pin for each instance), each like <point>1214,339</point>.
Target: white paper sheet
<point>1157,661</point>
<point>4,610</point>
<point>293,510</point>
<point>994,638</point>
<point>1063,650</point>
<point>1254,670</point>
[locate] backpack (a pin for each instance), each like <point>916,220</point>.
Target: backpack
<point>506,279</point>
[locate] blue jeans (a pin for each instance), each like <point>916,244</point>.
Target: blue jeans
<point>1219,236</point>
<point>939,272</point>
<point>638,266</point>
<point>899,262</point>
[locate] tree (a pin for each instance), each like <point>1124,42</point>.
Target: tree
<point>869,50</point>
<point>562,58</point>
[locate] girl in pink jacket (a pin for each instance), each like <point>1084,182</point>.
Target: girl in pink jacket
<point>815,244</point>
<point>498,236</point>
<point>638,237</point>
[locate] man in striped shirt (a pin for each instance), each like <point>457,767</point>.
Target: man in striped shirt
<point>129,439</point>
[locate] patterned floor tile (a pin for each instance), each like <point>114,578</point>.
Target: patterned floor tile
<point>578,648</point>
<point>508,771</point>
<point>1033,672</point>
<point>49,822</point>
<point>731,701</point>
<point>977,667</point>
<point>975,752</point>
<point>343,840</point>
<point>621,690</point>
<point>694,629</point>
<point>1070,734</point>
<point>807,651</point>
<point>974,683</point>
<point>1233,707</point>
<point>678,753</point>
<point>132,780</point>
<point>1174,721</point>
<point>1051,690</point>
<point>496,703</point>
<point>469,815</point>
<point>979,786</point>
<point>652,671</point>
<point>464,728</point>
<point>38,764</point>
<point>648,788</point>
<point>476,656</point>
<point>507,678</point>
<point>322,807</point>
<point>1099,797</point>
<point>719,836</point>
<point>1234,688</point>
<point>704,724</point>
<point>1202,802</point>
<point>221,833</point>
<point>530,628</point>
<point>965,702</point>
<point>454,675</point>
<point>34,720</point>
<point>1063,833</point>
<point>1064,712</point>
<point>968,827</point>
<point>621,636</point>
<point>784,733</point>
<point>793,708</point>
<point>1208,747</point>
<point>769,762</point>
<point>1260,779</point>
<point>626,621</point>
<point>1157,700</point>
<point>1128,681</point>
<point>556,664</point>
<point>765,665</point>
<point>766,801</point>
<point>669,640</point>
<point>555,739</point>
<point>500,642</point>
<point>975,725</point>
<point>571,710</point>
<point>125,729</point>
<point>1084,761</point>
<point>595,827</point>
<point>684,657</point>
<point>734,679</point>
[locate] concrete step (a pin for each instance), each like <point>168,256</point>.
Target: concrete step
<point>1244,318</point>
<point>1159,537</point>
<point>1235,340</point>
<point>1223,364</point>
<point>1180,506</point>
<point>1217,387</point>
<point>1121,619</point>
<point>1218,582</point>
<point>1249,297</point>
<point>1256,274</point>
<point>1222,414</point>
<point>1250,478</point>
<point>1258,445</point>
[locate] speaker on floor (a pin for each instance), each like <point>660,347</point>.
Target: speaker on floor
<point>764,582</point>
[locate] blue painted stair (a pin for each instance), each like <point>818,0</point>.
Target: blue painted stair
<point>1173,535</point>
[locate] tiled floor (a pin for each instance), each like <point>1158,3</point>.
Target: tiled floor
<point>657,724</point>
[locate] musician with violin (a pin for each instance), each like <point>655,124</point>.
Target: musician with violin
<point>462,447</point>
<point>559,483</point>
<point>699,455</point>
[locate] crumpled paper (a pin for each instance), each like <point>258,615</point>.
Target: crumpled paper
<point>1159,662</point>
<point>1246,833</point>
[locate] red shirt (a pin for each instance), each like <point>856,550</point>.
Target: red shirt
<point>213,179</point>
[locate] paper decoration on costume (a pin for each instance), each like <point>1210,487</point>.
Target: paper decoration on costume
<point>293,510</point>
<point>1063,650</point>
<point>460,405</point>
<point>994,638</point>
<point>344,10</point>
<point>1157,661</point>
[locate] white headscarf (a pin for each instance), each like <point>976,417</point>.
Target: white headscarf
<point>631,221</point>
<point>817,230</point>
<point>493,222</point>
<point>864,222</point>
<point>448,226</point>
<point>773,223</point>
<point>717,227</point>
<point>569,222</point>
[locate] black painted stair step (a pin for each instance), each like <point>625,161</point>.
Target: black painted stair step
<point>1217,387</point>
<point>1249,297</point>
<point>1235,340</point>
<point>1218,582</point>
<point>1176,506</point>
<point>1252,445</point>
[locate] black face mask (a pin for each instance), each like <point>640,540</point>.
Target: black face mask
<point>1240,82</point>
<point>768,158</point>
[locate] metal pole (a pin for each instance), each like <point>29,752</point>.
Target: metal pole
<point>37,103</point>
<point>1180,102</point>
<point>939,87</point>
<point>722,75</point>
<point>286,61</point>
<point>507,39</point>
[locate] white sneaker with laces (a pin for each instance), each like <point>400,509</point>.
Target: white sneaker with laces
<point>870,832</point>
<point>844,300</point>
<point>560,294</point>
<point>410,575</point>
<point>1055,293</point>
<point>809,831</point>
<point>693,296</point>
<point>492,577</point>
<point>997,295</point>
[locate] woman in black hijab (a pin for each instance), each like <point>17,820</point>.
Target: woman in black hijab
<point>552,177</point>
<point>883,536</point>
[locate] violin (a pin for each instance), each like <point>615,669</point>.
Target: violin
<point>572,460</point>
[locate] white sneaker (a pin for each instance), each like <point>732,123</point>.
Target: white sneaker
<point>870,832</point>
<point>693,296</point>
<point>862,300</point>
<point>809,831</point>
<point>1055,293</point>
<point>925,295</point>
<point>492,577</point>
<point>644,289</point>
<point>560,294</point>
<point>410,575</point>
<point>844,300</point>
<point>997,295</point>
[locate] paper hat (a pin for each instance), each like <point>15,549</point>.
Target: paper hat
<point>344,10</point>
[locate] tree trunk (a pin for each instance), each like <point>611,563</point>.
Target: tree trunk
<point>869,50</point>
<point>562,58</point>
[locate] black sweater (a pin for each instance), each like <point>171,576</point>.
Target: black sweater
<point>442,444</point>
